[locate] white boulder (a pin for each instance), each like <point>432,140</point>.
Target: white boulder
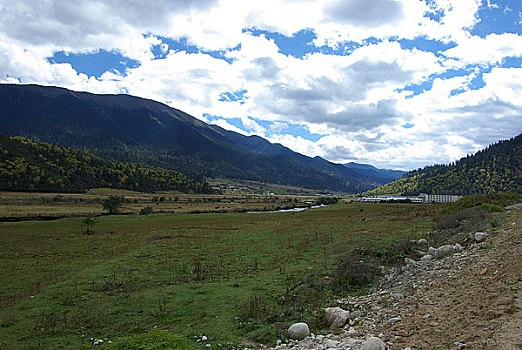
<point>480,236</point>
<point>374,343</point>
<point>443,251</point>
<point>298,331</point>
<point>335,317</point>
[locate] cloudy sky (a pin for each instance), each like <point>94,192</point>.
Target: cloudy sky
<point>394,83</point>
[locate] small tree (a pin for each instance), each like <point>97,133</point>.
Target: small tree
<point>146,210</point>
<point>113,204</point>
<point>89,222</point>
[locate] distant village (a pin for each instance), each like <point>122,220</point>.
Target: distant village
<point>421,198</point>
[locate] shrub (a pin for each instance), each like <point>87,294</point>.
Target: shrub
<point>113,204</point>
<point>89,222</point>
<point>146,210</point>
<point>352,274</point>
<point>454,220</point>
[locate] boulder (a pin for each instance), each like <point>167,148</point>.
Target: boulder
<point>374,343</point>
<point>457,247</point>
<point>480,236</point>
<point>431,251</point>
<point>298,331</point>
<point>443,251</point>
<point>355,314</point>
<point>427,257</point>
<point>394,320</point>
<point>422,241</point>
<point>335,317</point>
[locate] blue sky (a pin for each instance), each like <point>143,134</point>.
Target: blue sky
<point>393,83</point>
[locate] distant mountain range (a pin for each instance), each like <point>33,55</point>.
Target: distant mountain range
<point>132,129</point>
<point>369,170</point>
<point>497,168</point>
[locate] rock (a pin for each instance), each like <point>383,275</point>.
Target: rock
<point>348,344</point>
<point>204,338</point>
<point>397,296</point>
<point>443,251</point>
<point>374,343</point>
<point>355,314</point>
<point>331,343</point>
<point>431,251</point>
<point>427,257</point>
<point>351,330</point>
<point>394,320</point>
<point>480,236</point>
<point>457,247</point>
<point>298,331</point>
<point>335,317</point>
<point>422,241</point>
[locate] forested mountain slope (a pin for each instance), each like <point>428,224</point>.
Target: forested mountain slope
<point>497,168</point>
<point>33,166</point>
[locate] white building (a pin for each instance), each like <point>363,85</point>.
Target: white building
<point>439,198</point>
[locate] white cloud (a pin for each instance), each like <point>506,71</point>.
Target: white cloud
<point>277,127</point>
<point>489,50</point>
<point>352,101</point>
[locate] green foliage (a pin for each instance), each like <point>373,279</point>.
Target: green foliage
<point>497,168</point>
<point>146,210</point>
<point>26,165</point>
<point>89,222</point>
<point>327,200</point>
<point>153,340</point>
<point>113,204</point>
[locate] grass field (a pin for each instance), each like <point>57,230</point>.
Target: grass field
<point>234,277</point>
<point>26,205</point>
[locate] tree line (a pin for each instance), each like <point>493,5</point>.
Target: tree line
<point>26,165</point>
<point>498,168</point>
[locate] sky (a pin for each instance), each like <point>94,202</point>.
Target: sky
<point>398,84</point>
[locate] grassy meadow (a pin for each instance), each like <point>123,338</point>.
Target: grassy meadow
<point>25,205</point>
<point>233,277</point>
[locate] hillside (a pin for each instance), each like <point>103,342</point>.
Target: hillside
<point>26,165</point>
<point>128,128</point>
<point>497,168</point>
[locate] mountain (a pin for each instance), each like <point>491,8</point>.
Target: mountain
<point>371,171</point>
<point>497,168</point>
<point>133,129</point>
<point>26,165</point>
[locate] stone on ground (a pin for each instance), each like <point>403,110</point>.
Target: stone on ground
<point>298,331</point>
<point>480,236</point>
<point>443,251</point>
<point>374,343</point>
<point>336,317</point>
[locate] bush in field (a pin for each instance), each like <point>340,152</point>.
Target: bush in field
<point>146,210</point>
<point>154,340</point>
<point>89,222</point>
<point>353,274</point>
<point>113,204</point>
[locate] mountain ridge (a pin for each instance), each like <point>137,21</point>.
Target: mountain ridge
<point>132,129</point>
<point>497,168</point>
